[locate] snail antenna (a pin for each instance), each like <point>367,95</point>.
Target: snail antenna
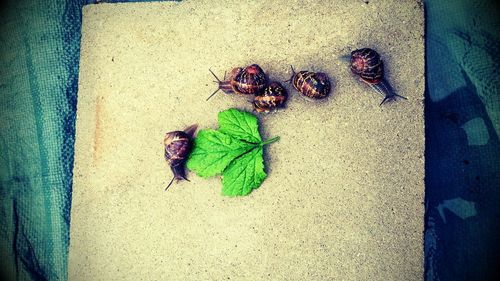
<point>170,183</point>
<point>387,98</point>
<point>400,96</point>
<point>385,89</point>
<point>293,74</point>
<point>217,78</point>
<point>218,81</point>
<point>212,94</point>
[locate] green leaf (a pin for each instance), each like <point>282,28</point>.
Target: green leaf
<point>244,174</point>
<point>213,151</point>
<point>235,151</point>
<point>239,124</point>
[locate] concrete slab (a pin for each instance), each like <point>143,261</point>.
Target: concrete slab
<point>344,195</point>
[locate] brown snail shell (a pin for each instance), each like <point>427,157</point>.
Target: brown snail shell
<point>314,85</point>
<point>250,80</point>
<point>177,148</point>
<point>273,97</point>
<point>368,65</point>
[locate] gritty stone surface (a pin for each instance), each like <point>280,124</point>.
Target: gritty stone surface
<point>344,195</point>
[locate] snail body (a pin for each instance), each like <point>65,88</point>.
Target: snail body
<point>314,85</point>
<point>273,97</point>
<point>177,148</point>
<point>250,80</point>
<point>368,65</point>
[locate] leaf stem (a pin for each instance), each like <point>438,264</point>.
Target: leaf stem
<point>270,141</point>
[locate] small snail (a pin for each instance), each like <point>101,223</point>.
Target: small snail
<point>246,81</point>
<point>314,85</point>
<point>274,96</point>
<point>367,64</point>
<point>177,148</point>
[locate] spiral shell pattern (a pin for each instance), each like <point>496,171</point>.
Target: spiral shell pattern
<point>274,96</point>
<point>249,80</point>
<point>315,85</point>
<point>177,147</point>
<point>367,64</point>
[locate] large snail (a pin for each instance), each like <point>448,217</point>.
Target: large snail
<point>314,85</point>
<point>273,97</point>
<point>246,81</point>
<point>177,147</point>
<point>368,65</point>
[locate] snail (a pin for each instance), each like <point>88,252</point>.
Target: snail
<point>246,81</point>
<point>314,85</point>
<point>177,148</point>
<point>274,96</point>
<point>368,65</point>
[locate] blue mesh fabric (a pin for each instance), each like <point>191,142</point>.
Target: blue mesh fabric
<point>462,147</point>
<point>39,47</point>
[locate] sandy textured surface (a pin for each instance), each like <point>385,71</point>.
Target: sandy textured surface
<point>344,195</point>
